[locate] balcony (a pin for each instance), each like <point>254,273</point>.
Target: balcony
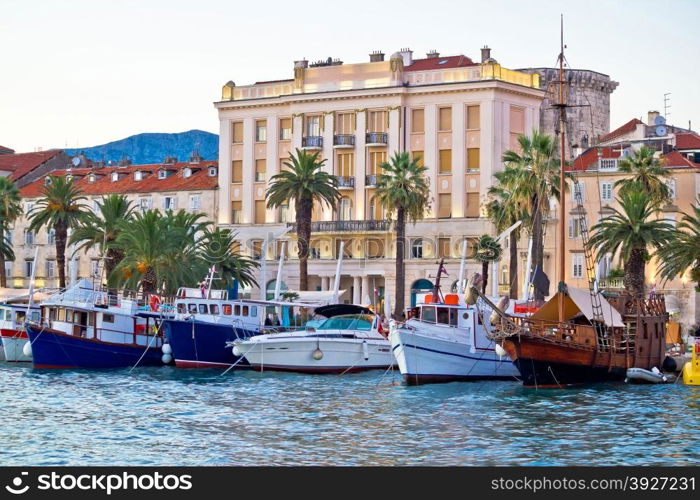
<point>345,182</point>
<point>356,226</point>
<point>371,180</point>
<point>312,142</point>
<point>611,283</point>
<point>376,139</point>
<point>341,141</point>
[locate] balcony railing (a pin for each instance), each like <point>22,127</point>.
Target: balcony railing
<point>371,180</point>
<point>611,283</point>
<point>347,226</point>
<point>345,182</point>
<point>312,142</point>
<point>347,140</point>
<point>376,138</point>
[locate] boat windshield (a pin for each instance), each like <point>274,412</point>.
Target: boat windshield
<point>348,322</point>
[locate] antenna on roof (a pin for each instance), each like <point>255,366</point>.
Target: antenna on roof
<point>667,106</point>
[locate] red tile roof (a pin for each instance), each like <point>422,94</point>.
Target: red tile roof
<point>23,163</point>
<point>4,150</point>
<point>676,160</point>
<point>590,157</point>
<point>687,141</point>
<point>103,184</point>
<point>440,63</point>
<point>628,127</point>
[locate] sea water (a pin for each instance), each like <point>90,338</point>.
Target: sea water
<point>166,416</point>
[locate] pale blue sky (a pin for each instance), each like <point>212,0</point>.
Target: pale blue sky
<point>78,73</point>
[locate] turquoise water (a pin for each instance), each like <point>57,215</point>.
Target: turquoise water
<point>165,416</point>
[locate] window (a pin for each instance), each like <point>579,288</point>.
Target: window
<point>115,176</point>
<point>145,204</point>
<point>445,161</point>
<point>28,207</point>
<point>259,212</point>
<point>226,308</point>
<point>195,201</point>
<point>261,131</point>
<point>95,268</point>
<point>260,167</point>
<point>236,212</point>
<point>284,213</point>
<point>51,237</point>
<point>162,174</point>
<point>186,172</point>
<point>428,314</point>
<point>8,269</point>
<point>671,183</point>
<point>285,129</point>
<point>443,315</point>
<point>96,208</point>
<point>472,205</point>
<point>345,210</point>
<point>181,308</point>
<point>256,249</point>
<point>444,205</point>
<point>170,203</point>
<point>444,119</point>
<point>473,159</point>
<point>418,155</point>
<point>237,171</point>
<point>346,164</point>
<point>577,270</point>
<point>376,158</point>
<point>315,250</point>
<point>376,121</point>
<point>237,132</point>
<point>50,268</point>
<point>213,309</point>
<point>28,237</point>
<point>606,191</point>
<point>444,248</point>
<point>108,318</point>
<point>203,309</point>
<point>417,248</point>
<point>579,191</point>
<point>417,121</point>
<point>192,308</point>
<point>344,123</point>
<point>313,126</point>
<point>576,226</point>
<point>28,268</point>
<point>138,175</point>
<point>473,117</point>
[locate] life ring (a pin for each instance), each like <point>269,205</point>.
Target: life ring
<point>154,303</point>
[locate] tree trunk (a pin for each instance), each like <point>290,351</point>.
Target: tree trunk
<point>537,242</point>
<point>61,236</point>
<point>513,265</point>
<point>484,275</point>
<point>400,271</point>
<point>149,282</point>
<point>634,272</point>
<point>3,276</point>
<point>303,218</point>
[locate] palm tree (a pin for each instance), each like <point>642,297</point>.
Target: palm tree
<point>217,250</point>
<point>535,180</point>
<point>304,182</point>
<point>402,188</point>
<point>10,210</point>
<point>60,208</point>
<point>505,209</point>
<point>100,230</point>
<point>488,250</point>
<point>683,252</point>
<point>630,232</point>
<point>647,174</point>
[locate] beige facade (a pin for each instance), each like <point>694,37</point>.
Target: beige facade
<point>457,115</point>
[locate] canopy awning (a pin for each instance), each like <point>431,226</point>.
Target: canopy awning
<point>578,301</point>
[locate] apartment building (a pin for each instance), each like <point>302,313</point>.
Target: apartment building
<point>171,185</point>
<point>458,116</point>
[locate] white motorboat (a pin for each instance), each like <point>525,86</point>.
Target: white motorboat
<point>350,339</point>
<point>445,340</point>
<point>12,331</point>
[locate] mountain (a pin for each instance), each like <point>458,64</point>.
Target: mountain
<point>149,148</point>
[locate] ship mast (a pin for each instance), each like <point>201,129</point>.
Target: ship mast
<point>561,105</point>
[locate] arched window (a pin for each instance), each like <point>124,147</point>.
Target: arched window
<point>270,289</point>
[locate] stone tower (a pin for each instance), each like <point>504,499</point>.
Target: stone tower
<point>589,91</point>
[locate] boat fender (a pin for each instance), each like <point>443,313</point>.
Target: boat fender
<point>317,354</point>
<point>166,359</point>
<point>669,365</point>
<point>167,349</point>
<point>236,351</point>
<point>365,350</point>
<point>500,351</point>
<point>655,370</point>
<point>27,349</point>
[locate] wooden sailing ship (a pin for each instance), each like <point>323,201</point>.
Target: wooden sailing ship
<point>580,336</point>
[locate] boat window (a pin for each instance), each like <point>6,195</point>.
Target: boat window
<point>182,308</point>
<point>245,311</point>
<point>227,309</point>
<point>52,313</point>
<point>20,317</point>
<point>237,311</point>
<point>89,320</point>
<point>443,315</point>
<point>36,316</point>
<point>76,317</point>
<point>192,308</point>
<point>213,309</point>
<point>454,316</point>
<point>8,315</point>
<point>348,322</point>
<point>61,314</point>
<point>253,311</point>
<point>108,318</point>
<point>69,316</point>
<point>202,309</point>
<point>428,314</point>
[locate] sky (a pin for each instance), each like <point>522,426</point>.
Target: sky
<point>78,73</point>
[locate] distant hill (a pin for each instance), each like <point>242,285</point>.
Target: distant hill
<point>148,148</point>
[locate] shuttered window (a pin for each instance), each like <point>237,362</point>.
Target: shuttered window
<point>473,158</point>
<point>444,205</point>
<point>445,119</point>
<point>473,118</point>
<point>260,211</point>
<point>237,135</point>
<point>417,121</point>
<point>236,171</point>
<point>445,161</point>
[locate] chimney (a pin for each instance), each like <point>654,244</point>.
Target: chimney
<point>301,64</point>
<point>407,55</point>
<point>376,56</point>
<point>651,116</point>
<point>433,54</point>
<point>485,54</point>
